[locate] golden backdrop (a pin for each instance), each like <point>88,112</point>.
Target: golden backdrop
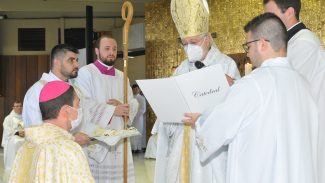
<point>227,18</point>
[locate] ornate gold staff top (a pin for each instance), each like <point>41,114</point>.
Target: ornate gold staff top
<point>127,8</point>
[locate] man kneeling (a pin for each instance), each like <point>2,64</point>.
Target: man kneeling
<point>49,153</point>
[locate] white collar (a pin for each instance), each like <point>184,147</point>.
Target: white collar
<point>278,61</point>
<point>293,26</point>
<point>101,62</point>
<point>52,77</point>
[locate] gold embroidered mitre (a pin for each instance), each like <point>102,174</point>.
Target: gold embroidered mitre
<point>191,17</point>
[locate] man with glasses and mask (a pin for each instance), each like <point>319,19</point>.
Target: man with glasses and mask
<point>307,56</point>
<point>201,52</point>
<point>272,127</point>
<point>101,82</point>
<point>49,153</point>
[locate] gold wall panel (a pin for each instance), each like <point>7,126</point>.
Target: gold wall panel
<point>227,18</point>
<point>161,40</point>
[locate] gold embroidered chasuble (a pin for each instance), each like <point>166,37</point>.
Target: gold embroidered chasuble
<point>50,155</point>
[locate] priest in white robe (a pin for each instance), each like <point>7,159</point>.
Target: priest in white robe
<point>171,165</point>
<point>151,150</point>
<point>307,56</point>
<point>64,67</point>
<point>50,154</point>
<point>101,82</point>
<point>13,135</point>
<point>268,119</point>
<point>139,120</point>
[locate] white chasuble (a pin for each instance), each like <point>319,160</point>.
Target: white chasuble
<point>151,149</point>
<point>106,162</point>
<point>11,142</point>
<point>170,138</point>
<point>306,54</point>
<point>269,120</point>
<point>139,123</point>
<point>100,112</point>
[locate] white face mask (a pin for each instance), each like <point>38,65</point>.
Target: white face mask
<point>75,123</point>
<point>194,52</point>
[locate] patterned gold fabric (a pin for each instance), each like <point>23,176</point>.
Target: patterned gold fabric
<point>50,155</point>
<point>185,162</point>
<point>191,17</point>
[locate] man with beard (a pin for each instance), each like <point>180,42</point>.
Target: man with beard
<point>64,67</point>
<point>101,82</point>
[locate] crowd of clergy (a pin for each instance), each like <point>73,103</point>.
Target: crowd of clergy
<point>270,127</point>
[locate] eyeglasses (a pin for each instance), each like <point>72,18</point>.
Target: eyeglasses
<point>246,45</point>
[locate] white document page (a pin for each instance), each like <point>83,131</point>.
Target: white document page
<point>203,88</point>
<point>164,98</point>
<point>195,91</point>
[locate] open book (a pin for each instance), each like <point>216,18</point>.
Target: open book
<point>195,91</point>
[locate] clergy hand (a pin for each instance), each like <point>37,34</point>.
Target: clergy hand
<point>81,138</point>
<point>113,102</point>
<point>122,110</point>
<point>21,133</point>
<point>191,118</point>
<point>230,80</point>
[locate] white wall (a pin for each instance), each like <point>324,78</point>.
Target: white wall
<point>136,37</point>
<point>136,67</point>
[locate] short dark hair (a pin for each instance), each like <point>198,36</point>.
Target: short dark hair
<point>59,51</point>
<point>50,109</point>
<point>97,43</point>
<point>17,102</point>
<point>270,27</point>
<point>285,4</point>
<point>135,86</point>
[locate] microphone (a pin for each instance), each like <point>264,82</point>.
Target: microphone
<point>199,64</point>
